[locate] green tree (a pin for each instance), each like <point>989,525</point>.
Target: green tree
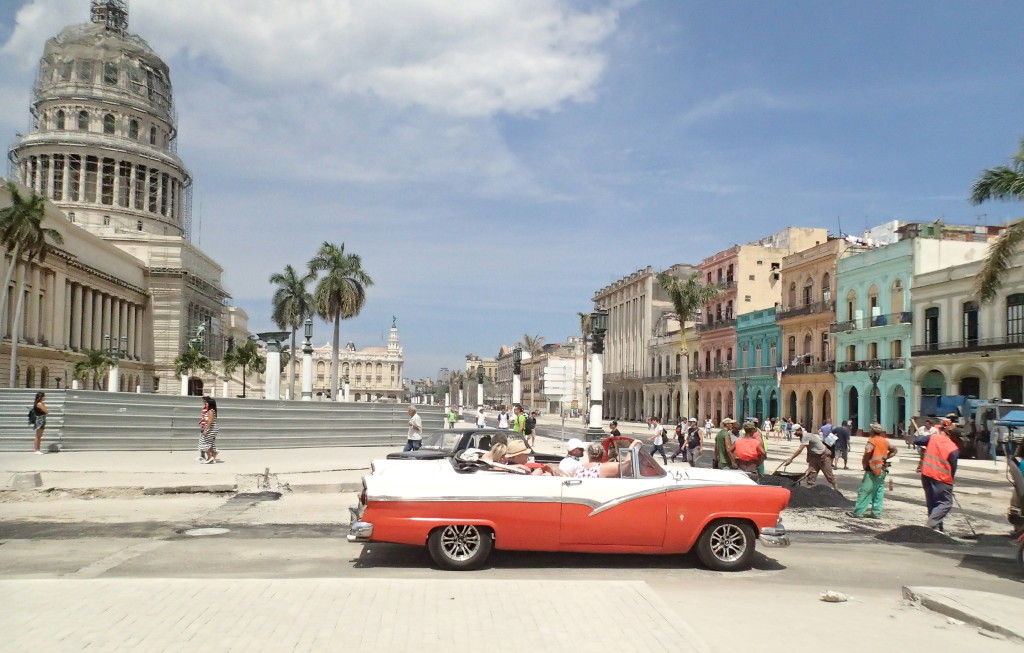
<point>585,330</point>
<point>96,362</point>
<point>191,361</point>
<point>1000,183</point>
<point>23,233</point>
<point>687,297</point>
<point>339,295</point>
<point>456,382</point>
<point>292,304</point>
<point>246,356</point>
<point>533,344</point>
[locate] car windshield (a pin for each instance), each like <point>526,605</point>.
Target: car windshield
<point>442,441</point>
<point>648,465</point>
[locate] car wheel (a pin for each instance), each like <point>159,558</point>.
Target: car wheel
<point>726,545</point>
<point>460,547</point>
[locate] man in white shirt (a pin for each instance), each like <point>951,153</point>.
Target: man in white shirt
<point>481,420</point>
<point>503,418</point>
<point>568,465</point>
<point>415,435</point>
<point>659,439</point>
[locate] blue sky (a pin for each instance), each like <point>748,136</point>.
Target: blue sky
<point>496,162</point>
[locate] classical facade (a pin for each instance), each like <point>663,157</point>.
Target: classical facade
<point>962,346</point>
<point>874,328</point>
<point>758,343</point>
<point>373,373</point>
<point>103,150</point>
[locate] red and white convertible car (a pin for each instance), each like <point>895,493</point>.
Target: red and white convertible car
<point>462,510</point>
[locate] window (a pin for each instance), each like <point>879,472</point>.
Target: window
<point>58,177</point>
<point>728,273</point>
<point>791,344</point>
<point>85,71</point>
<point>133,129</point>
<point>152,135</point>
<point>808,354</point>
<point>83,120</point>
<point>106,221</point>
<point>851,352</point>
<point>873,301</point>
<point>124,180</point>
<point>760,262</point>
<point>897,296</point>
<point>791,298</point>
<point>757,356</point>
<point>138,226</point>
<point>851,306</point>
<point>873,350</point>
<point>809,292</point>
<point>60,119</point>
<point>110,73</point>
<point>970,323</point>
<point>897,349</point>
<point>746,298</point>
<point>826,288</point>
<point>65,71</point>
<point>824,346</point>
<point>71,216</point>
<point>107,181</point>
<point>728,310</point>
<point>1015,317</point>
<point>773,354</point>
<point>931,327</point>
<point>91,171</point>
<point>751,277</point>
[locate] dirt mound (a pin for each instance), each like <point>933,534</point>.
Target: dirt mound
<point>915,535</point>
<point>778,480</point>
<point>817,496</point>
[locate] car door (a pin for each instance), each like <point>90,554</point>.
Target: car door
<point>613,512</point>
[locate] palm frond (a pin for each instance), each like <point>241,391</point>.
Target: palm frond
<point>998,261</point>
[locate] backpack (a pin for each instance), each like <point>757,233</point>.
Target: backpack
<point>694,440</point>
<point>530,424</point>
<point>32,415</point>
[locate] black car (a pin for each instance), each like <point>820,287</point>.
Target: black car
<point>447,442</point>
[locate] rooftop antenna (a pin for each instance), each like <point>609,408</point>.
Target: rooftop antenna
<point>840,223</point>
<point>111,13</point>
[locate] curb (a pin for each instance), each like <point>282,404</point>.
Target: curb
<point>938,600</point>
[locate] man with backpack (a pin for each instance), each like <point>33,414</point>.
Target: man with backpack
<point>531,427</point>
<point>681,439</point>
<point>694,442</point>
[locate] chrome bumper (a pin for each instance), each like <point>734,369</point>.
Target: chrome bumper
<point>775,536</point>
<point>358,531</point>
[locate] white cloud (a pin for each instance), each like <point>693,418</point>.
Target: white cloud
<point>739,100</point>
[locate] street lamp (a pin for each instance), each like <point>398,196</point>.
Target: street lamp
<point>517,375</point>
<point>115,354</point>
<point>746,411</point>
<point>598,327</point>
<point>875,374</point>
<point>479,386</point>
<point>307,360</point>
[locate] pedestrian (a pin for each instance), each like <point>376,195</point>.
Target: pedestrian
<point>38,419</point>
<point>789,428</point>
<point>415,435</point>
<point>452,417</point>
<point>681,439</point>
<point>658,439</point>
<point>574,447</point>
<point>694,442</point>
<point>503,418</point>
<point>709,427</point>
<point>842,445</point>
<point>613,430</point>
<point>481,419</point>
<point>938,468</point>
<point>724,456</point>
<point>519,421</point>
<point>749,449</point>
<point>875,462</point>
<point>818,456</point>
<point>531,427</point>
<point>777,428</point>
<point>208,430</point>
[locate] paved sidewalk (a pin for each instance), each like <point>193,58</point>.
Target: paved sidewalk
<point>337,614</point>
<point>997,613</point>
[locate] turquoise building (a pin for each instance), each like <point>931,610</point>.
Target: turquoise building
<point>759,351</point>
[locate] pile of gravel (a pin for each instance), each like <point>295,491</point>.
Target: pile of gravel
<point>915,535</point>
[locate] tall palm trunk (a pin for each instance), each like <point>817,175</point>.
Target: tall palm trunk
<point>291,369</point>
<point>586,355</point>
<point>6,289</point>
<point>684,381</point>
<point>16,326</point>
<point>335,340</point>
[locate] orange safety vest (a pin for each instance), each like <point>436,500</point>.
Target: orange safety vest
<point>746,448</point>
<point>935,463</point>
<point>879,453</point>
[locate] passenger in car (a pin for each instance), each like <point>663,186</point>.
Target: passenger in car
<point>594,468</point>
<point>518,457</point>
<point>499,445</point>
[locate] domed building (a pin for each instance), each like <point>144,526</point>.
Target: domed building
<point>103,151</point>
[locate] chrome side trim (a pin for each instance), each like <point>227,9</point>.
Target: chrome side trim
<point>360,531</point>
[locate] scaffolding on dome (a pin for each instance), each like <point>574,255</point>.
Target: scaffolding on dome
<point>112,13</point>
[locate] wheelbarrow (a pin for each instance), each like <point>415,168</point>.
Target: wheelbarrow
<point>781,478</point>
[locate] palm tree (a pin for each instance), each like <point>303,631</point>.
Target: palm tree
<point>192,360</point>
<point>456,381</point>
<point>22,231</point>
<point>340,294</point>
<point>96,362</point>
<point>687,297</point>
<point>585,330</point>
<point>1000,183</point>
<point>532,345</point>
<point>247,357</point>
<point>292,305</point>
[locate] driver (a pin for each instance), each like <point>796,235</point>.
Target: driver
<point>517,457</point>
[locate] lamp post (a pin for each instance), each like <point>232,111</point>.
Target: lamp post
<point>517,375</point>
<point>479,386</point>
<point>875,374</point>
<point>598,327</point>
<point>307,361</point>
<point>746,383</point>
<point>115,354</point>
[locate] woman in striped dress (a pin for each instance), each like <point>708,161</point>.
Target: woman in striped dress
<point>208,431</point>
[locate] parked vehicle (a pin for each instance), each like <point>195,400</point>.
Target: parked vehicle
<point>466,509</point>
<point>448,442</point>
<point>977,419</point>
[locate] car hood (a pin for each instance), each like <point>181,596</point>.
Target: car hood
<point>712,476</point>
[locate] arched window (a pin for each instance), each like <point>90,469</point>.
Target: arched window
<point>897,296</point>
<point>83,120</point>
<point>808,353</point>
<point>60,119</point>
<point>826,288</point>
<point>757,356</point>
<point>808,292</point>
<point>1015,318</point>
<point>824,346</point>
<point>873,306</point>
<point>791,299</point>
<point>152,135</point>
<point>108,123</point>
<point>133,129</point>
<point>851,306</point>
<point>773,354</point>
<point>728,310</point>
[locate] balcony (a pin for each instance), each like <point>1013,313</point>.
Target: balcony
<point>872,364</point>
<point>1015,341</point>
<point>717,324</point>
<point>726,285</point>
<point>874,321</point>
<point>721,372</point>
<point>751,372</point>
<point>806,309</point>
<point>822,367</point>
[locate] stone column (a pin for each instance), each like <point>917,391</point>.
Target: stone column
<point>272,385</point>
<point>65,315</point>
<point>64,179</point>
<point>32,309</point>
<point>132,310</point>
<point>105,323</point>
<point>122,329</point>
<point>140,342</point>
<point>85,317</point>
<point>76,316</point>
<point>97,320</point>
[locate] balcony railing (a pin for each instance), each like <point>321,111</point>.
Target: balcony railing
<point>872,364</point>
<point>874,321</point>
<point>717,324</point>
<point>822,367</point>
<point>721,372</point>
<point>1015,341</point>
<point>806,309</point>
<point>726,284</point>
<point>727,372</point>
<point>751,372</point>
